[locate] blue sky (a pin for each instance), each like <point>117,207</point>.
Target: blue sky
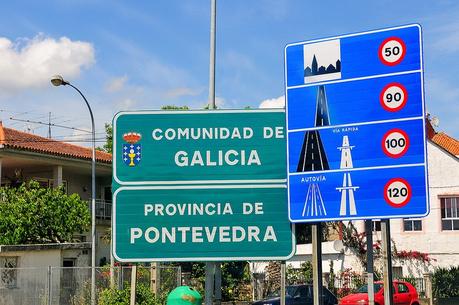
<point>130,55</point>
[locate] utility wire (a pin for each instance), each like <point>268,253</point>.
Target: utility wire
<point>47,124</point>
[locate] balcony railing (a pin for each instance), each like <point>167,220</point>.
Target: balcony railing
<point>103,209</point>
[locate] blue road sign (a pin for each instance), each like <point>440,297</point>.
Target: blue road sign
<point>355,122</point>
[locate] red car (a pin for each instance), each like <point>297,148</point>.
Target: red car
<point>404,294</point>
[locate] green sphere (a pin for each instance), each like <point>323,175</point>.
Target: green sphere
<point>184,295</point>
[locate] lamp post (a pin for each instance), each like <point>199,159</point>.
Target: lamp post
<point>57,80</point>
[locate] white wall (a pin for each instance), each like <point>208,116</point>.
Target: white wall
<point>443,246</point>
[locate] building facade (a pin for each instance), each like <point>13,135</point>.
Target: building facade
<point>25,156</point>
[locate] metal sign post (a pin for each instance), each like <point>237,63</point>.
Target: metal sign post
<point>282,284</point>
<point>211,267</point>
<point>317,263</point>
<point>370,271</point>
<point>387,259</point>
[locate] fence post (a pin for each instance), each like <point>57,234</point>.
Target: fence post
<point>155,278</point>
<point>179,276</point>
<point>133,283</point>
<point>49,285</point>
<point>428,287</point>
<point>120,277</point>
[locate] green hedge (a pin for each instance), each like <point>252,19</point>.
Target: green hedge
<point>143,296</point>
<point>445,282</point>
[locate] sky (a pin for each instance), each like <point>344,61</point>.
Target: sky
<point>141,55</point>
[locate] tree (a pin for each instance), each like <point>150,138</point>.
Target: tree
<point>31,214</point>
<point>173,107</point>
<point>108,146</point>
<point>356,241</point>
<point>303,232</point>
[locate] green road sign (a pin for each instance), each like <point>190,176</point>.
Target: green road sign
<point>199,147</point>
<point>201,223</point>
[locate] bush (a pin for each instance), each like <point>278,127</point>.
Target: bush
<point>301,275</point>
<point>143,296</point>
<point>445,282</point>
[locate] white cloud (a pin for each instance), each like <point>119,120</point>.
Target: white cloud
<point>273,102</point>
<point>220,102</point>
<point>116,84</point>
<point>126,104</point>
<point>28,63</point>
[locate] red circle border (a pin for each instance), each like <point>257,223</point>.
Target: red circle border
<point>405,94</point>
<point>381,58</point>
<point>408,198</point>
<point>403,151</point>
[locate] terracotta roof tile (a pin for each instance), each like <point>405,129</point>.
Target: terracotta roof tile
<point>448,143</point>
<point>12,138</point>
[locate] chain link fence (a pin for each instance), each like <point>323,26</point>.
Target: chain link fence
<point>266,282</point>
<point>72,285</point>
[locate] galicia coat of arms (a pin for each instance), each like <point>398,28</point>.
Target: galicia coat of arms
<point>132,152</point>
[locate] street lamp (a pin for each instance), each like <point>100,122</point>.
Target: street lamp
<point>57,80</point>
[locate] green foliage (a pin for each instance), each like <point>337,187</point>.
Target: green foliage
<point>108,146</point>
<point>143,296</point>
<point>232,278</point>
<point>32,214</point>
<point>300,275</point>
<point>331,282</point>
<point>350,281</point>
<point>198,275</point>
<point>173,107</point>
<point>445,282</point>
<point>303,232</point>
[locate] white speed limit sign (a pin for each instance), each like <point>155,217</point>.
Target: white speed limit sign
<point>397,192</point>
<point>392,51</point>
<point>395,143</point>
<point>393,97</point>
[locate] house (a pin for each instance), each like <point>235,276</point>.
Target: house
<point>25,156</point>
<point>432,235</point>
<point>436,233</point>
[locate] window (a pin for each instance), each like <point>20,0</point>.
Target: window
<point>377,226</point>
<point>108,194</point>
<point>450,213</point>
<point>412,225</point>
<point>397,272</point>
<point>402,288</point>
<point>8,273</point>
